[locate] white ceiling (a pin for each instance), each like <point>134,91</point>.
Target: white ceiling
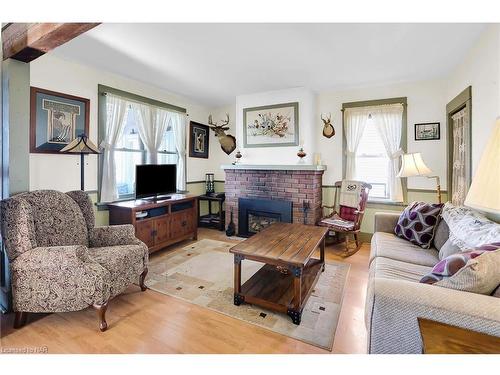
<point>212,63</point>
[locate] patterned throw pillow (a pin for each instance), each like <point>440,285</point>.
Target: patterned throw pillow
<point>455,262</point>
<point>418,222</point>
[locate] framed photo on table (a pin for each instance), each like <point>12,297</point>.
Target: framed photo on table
<point>56,119</point>
<point>271,126</point>
<point>199,137</point>
<point>427,131</point>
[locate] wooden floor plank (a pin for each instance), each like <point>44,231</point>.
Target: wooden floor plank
<point>151,322</point>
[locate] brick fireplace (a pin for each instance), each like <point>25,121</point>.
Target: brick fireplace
<point>292,183</point>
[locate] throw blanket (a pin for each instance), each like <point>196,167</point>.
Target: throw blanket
<point>469,228</point>
<point>350,192</point>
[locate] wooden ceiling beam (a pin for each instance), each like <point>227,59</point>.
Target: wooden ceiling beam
<point>27,41</point>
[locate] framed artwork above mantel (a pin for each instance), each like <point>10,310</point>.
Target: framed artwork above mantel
<point>56,119</point>
<point>274,125</point>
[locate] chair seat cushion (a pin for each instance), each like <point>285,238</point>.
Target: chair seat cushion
<point>125,263</point>
<point>390,246</point>
<point>335,222</point>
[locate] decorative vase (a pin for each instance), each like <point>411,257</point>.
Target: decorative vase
<point>238,156</point>
<point>209,183</point>
<point>301,154</point>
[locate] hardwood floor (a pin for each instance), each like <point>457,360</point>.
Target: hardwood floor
<point>151,322</point>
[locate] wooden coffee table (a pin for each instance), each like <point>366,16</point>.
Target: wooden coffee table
<point>290,273</point>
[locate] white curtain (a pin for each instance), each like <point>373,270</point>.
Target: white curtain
<point>116,108</point>
<point>354,125</point>
<point>152,123</point>
<point>459,185</point>
<point>388,121</point>
<point>178,123</point>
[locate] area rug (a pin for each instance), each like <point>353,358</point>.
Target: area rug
<point>202,273</point>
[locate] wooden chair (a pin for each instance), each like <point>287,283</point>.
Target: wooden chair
<point>347,219</point>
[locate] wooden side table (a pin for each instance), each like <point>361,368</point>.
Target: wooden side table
<point>441,338</point>
<point>217,220</point>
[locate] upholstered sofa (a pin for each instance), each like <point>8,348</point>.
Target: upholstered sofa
<point>395,298</point>
<point>60,261</point>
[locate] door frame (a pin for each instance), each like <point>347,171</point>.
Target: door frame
<point>461,101</point>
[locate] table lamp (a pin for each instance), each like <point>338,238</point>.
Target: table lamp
<point>412,165</point>
<point>484,192</point>
<point>81,145</point>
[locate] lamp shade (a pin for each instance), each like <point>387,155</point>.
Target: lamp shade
<point>81,145</point>
<point>484,192</point>
<point>413,165</point>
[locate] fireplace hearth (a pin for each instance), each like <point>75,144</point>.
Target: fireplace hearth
<point>257,214</point>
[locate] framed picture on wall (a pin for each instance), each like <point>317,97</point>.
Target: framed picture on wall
<point>56,119</point>
<point>271,126</point>
<point>427,131</point>
<point>198,140</point>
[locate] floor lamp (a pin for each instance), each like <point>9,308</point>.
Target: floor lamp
<point>81,145</point>
<point>412,165</point>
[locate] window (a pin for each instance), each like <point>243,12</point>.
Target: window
<point>374,139</point>
<point>372,163</point>
<point>127,124</point>
<point>129,152</point>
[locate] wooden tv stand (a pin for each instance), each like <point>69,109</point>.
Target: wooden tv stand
<point>166,222</point>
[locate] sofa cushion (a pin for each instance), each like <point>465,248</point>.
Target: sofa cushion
<point>397,270</point>
<point>441,235</point>
<point>418,222</point>
<point>124,262</point>
<point>449,248</point>
<point>388,245</point>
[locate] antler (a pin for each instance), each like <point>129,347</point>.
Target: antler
<point>210,122</point>
<point>328,119</point>
<point>226,121</point>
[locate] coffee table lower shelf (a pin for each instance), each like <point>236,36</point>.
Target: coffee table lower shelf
<point>283,292</point>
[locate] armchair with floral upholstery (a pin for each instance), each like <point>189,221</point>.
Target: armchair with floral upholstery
<point>60,261</point>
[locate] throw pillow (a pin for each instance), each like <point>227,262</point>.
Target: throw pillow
<point>441,235</point>
<point>418,222</point>
<point>449,248</point>
<point>480,275</point>
<point>472,270</point>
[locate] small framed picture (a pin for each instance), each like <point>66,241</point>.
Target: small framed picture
<point>198,140</point>
<point>427,131</point>
<point>56,119</point>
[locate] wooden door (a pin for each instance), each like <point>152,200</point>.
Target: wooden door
<point>144,231</point>
<point>162,230</point>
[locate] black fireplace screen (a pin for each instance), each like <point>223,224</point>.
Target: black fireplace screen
<point>257,214</point>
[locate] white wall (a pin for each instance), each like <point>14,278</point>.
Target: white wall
<point>279,155</point>
<point>481,70</point>
<point>61,172</point>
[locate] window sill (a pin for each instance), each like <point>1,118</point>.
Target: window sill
<point>102,206</point>
<point>375,203</point>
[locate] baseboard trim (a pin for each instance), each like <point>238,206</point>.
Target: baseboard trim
<point>365,237</point>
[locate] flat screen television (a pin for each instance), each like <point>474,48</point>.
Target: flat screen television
<point>154,180</point>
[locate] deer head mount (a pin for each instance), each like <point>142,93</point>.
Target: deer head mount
<point>328,130</point>
<point>227,141</point>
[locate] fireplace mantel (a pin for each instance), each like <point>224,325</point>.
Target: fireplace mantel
<point>275,167</point>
